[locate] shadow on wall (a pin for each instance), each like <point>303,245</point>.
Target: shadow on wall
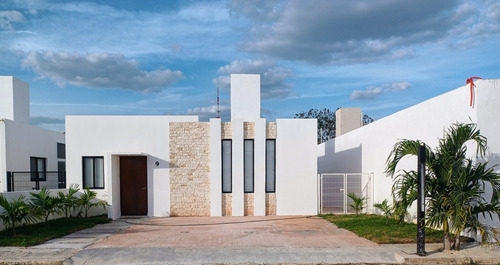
<point>159,162</point>
<point>346,161</point>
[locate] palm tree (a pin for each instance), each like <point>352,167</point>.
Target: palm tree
<point>68,200</point>
<point>358,203</point>
<point>17,212</point>
<point>88,200</point>
<point>47,204</point>
<point>454,184</point>
<point>385,208</point>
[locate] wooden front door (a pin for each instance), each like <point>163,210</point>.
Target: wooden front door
<point>133,185</point>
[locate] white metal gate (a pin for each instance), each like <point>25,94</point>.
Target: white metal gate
<point>334,187</point>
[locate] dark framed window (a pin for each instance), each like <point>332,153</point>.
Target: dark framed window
<point>93,172</point>
<point>61,150</point>
<point>38,168</point>
<point>227,185</point>
<point>270,165</point>
<point>248,165</point>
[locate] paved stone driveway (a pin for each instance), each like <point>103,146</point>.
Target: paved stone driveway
<point>236,232</point>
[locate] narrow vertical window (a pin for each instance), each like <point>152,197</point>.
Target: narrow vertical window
<point>61,150</point>
<point>271,165</point>
<point>226,166</point>
<point>37,168</point>
<point>248,166</point>
<point>93,172</point>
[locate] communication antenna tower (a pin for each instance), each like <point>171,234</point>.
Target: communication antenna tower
<point>218,104</point>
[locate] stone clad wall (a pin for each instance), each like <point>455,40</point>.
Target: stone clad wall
<point>226,130</point>
<point>189,169</point>
<point>227,204</point>
<point>249,208</point>
<point>270,203</point>
<point>248,130</point>
<point>271,131</point>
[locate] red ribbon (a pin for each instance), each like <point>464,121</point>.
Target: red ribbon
<point>471,82</point>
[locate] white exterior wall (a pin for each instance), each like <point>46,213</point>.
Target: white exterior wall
<point>346,120</point>
<point>215,168</point>
<point>3,155</point>
<point>238,198</point>
<point>245,97</point>
<point>112,136</point>
<point>296,167</point>
<point>260,168</point>
<point>366,149</point>
<point>14,99</point>
<point>21,141</point>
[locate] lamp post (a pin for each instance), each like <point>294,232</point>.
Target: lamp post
<point>421,202</point>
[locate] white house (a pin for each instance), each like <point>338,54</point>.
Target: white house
<point>27,153</point>
<point>178,166</point>
<point>366,149</point>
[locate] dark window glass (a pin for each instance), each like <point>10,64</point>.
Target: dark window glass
<point>61,150</point>
<point>38,169</point>
<point>248,166</point>
<point>270,165</point>
<point>93,172</point>
<point>226,166</point>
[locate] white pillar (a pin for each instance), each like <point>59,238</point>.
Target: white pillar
<point>237,169</point>
<point>260,168</point>
<point>215,168</point>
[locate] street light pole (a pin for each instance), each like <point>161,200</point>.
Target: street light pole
<point>421,202</point>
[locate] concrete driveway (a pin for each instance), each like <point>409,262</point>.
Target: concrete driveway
<point>233,232</point>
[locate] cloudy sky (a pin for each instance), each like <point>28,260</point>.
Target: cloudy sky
<point>149,57</point>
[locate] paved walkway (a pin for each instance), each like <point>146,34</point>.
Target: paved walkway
<point>230,240</point>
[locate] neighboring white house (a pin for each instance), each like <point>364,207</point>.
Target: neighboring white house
<point>178,166</point>
<point>26,152</point>
<point>366,149</point>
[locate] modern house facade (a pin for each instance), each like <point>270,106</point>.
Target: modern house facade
<point>366,149</point>
<point>178,166</point>
<point>30,157</point>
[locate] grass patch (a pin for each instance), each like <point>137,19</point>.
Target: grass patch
<point>38,233</point>
<point>377,229</point>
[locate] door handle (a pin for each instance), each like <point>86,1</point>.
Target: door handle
<point>145,188</point>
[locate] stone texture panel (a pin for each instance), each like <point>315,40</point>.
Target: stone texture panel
<point>249,204</point>
<point>227,204</point>
<point>248,130</point>
<point>270,203</point>
<point>271,130</point>
<point>189,168</point>
<point>226,130</point>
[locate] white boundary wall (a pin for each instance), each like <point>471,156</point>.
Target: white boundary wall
<point>367,149</point>
<point>296,167</point>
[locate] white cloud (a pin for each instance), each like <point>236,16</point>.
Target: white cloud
<point>98,70</point>
<point>274,79</point>
<point>348,32</point>
<point>9,17</point>
<point>39,120</point>
<point>98,27</point>
<point>372,92</point>
<point>205,113</point>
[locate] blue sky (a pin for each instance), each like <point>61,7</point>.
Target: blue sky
<point>127,57</point>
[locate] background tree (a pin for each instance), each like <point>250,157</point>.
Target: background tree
<point>454,184</point>
<point>326,122</point>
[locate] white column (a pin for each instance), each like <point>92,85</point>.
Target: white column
<point>296,167</point>
<point>260,168</point>
<point>215,168</point>
<point>237,169</point>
